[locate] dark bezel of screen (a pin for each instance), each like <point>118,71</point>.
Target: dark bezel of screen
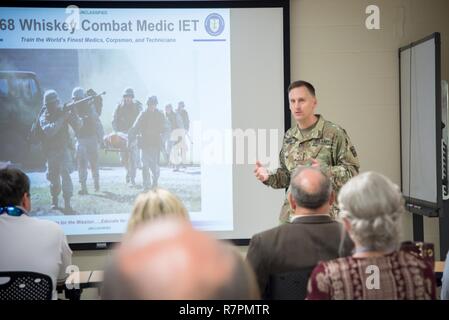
<point>414,205</point>
<point>284,4</point>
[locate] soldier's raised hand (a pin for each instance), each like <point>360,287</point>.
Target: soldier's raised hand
<point>260,172</point>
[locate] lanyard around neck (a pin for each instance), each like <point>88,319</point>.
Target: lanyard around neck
<point>12,211</point>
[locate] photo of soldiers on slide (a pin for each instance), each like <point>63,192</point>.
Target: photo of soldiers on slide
<point>54,121</point>
<point>89,137</point>
<point>124,117</point>
<point>97,101</point>
<point>20,101</point>
<point>179,157</point>
<point>148,130</point>
<point>75,143</point>
<point>184,115</point>
<point>173,121</point>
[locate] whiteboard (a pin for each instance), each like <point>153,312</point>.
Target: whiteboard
<point>421,122</point>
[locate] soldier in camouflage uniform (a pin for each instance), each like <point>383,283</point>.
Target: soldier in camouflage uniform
<point>124,117</point>
<point>55,122</point>
<point>180,146</point>
<point>89,139</point>
<point>149,126</point>
<point>314,142</point>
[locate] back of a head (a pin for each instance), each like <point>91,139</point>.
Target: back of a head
<point>310,187</point>
<point>154,204</point>
<point>242,284</point>
<point>374,205</point>
<point>13,185</point>
<point>169,259</point>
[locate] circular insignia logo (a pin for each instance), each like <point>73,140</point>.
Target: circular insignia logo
<point>214,24</point>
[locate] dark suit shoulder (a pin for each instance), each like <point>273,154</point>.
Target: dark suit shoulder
<point>268,233</point>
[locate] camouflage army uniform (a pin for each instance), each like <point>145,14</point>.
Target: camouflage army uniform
<point>173,122</point>
<point>55,146</point>
<point>150,126</point>
<point>326,142</point>
<point>123,119</point>
<point>89,137</point>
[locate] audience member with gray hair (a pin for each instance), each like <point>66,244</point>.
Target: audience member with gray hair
<point>371,207</point>
<point>168,259</point>
<point>311,236</point>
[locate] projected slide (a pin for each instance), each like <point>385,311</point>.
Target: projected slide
<point>125,63</point>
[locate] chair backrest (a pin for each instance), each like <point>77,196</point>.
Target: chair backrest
<point>289,285</point>
<point>424,250</point>
<point>24,285</point>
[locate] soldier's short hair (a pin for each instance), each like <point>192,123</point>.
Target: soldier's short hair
<point>306,199</point>
<point>302,83</point>
<point>14,183</point>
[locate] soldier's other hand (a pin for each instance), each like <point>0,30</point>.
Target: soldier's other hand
<point>260,172</point>
<point>315,163</point>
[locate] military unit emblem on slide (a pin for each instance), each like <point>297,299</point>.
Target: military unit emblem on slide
<point>214,24</point>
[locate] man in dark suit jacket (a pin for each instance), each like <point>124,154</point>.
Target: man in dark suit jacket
<point>311,236</point>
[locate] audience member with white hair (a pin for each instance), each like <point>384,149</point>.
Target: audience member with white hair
<point>371,207</point>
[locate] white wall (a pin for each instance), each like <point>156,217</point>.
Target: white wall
<point>355,71</point>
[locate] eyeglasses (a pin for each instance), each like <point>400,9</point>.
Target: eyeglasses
<point>12,211</point>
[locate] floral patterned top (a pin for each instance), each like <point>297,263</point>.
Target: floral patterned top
<point>396,276</point>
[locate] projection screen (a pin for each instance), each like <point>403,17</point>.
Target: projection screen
<point>225,67</point>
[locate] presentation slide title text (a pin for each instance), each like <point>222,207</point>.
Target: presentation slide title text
<point>36,25</point>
